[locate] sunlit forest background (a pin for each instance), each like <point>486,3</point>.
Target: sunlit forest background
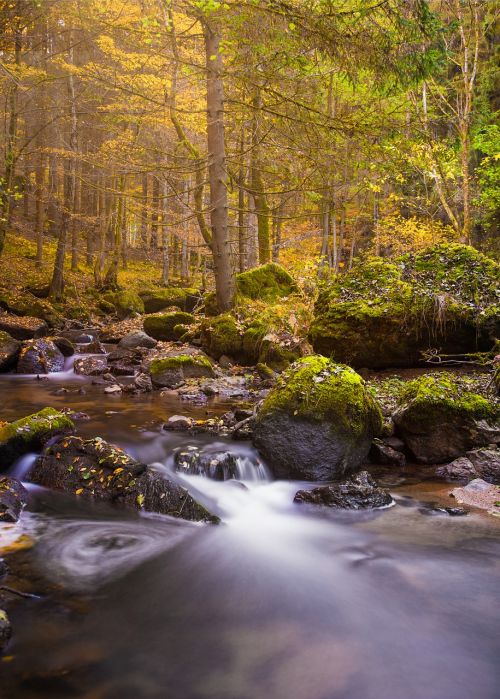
<point>350,127</point>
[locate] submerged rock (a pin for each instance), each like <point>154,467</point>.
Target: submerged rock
<point>13,499</point>
<point>318,422</point>
<point>9,350</point>
<point>359,492</point>
<point>438,420</point>
<point>23,328</point>
<point>478,493</point>
<point>40,356</point>
<point>93,468</point>
<point>30,434</point>
<point>178,423</point>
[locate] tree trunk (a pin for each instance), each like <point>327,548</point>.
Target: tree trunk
<point>217,171</point>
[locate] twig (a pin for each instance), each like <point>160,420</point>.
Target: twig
<point>26,595</point>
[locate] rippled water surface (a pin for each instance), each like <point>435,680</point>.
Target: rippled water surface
<point>276,602</point>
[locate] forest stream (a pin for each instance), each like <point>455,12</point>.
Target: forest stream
<point>276,601</point>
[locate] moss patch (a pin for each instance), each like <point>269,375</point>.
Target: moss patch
<point>180,361</point>
<point>29,433</point>
<point>268,283</point>
<point>161,326</point>
<point>222,335</point>
<point>156,300</point>
<point>127,303</point>
<point>317,389</point>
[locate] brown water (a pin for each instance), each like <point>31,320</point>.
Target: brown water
<point>277,602</point>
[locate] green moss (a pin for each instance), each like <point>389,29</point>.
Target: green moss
<point>126,303</point>
<point>33,428</point>
<point>210,304</point>
<point>180,361</point>
<point>161,326</point>
<point>317,389</point>
<point>221,335</point>
<point>268,283</point>
<point>441,394</point>
<point>158,299</point>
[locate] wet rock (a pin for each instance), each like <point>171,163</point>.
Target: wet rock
<point>219,466</point>
<point>94,468</point>
<point>30,434</point>
<point>439,421</point>
<point>64,345</point>
<point>40,356</point>
<point>137,339</point>
<point>91,366</point>
<point>114,388</point>
<point>143,382</point>
<point>5,630</point>
<point>433,509</point>
<point>9,350</point>
<point>486,463</point>
<point>381,453</point>
<point>461,469</point>
<point>23,328</point>
<point>318,422</point>
<point>13,499</point>
<point>478,493</point>
<point>94,347</point>
<point>359,492</point>
<point>178,422</point>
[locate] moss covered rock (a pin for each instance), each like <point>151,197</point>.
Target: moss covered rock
<point>388,313</point>
<point>161,326</point>
<point>126,303</point>
<point>266,283</point>
<point>169,372</point>
<point>9,349</point>
<point>318,422</point>
<point>440,420</point>
<point>93,468</point>
<point>222,336</point>
<point>30,433</point>
<point>158,299</point>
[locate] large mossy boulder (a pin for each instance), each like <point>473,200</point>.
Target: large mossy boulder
<point>93,468</point>
<point>41,356</point>
<point>9,349</point>
<point>169,372</point>
<point>30,433</point>
<point>440,420</point>
<point>161,326</point>
<point>269,283</point>
<point>387,313</point>
<point>156,300</point>
<point>318,422</point>
<point>126,303</point>
<point>222,336</point>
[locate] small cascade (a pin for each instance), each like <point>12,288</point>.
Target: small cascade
<point>22,466</point>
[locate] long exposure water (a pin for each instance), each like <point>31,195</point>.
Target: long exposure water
<point>277,602</point>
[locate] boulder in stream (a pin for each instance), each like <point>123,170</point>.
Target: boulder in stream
<point>90,366</point>
<point>39,356</point>
<point>169,372</point>
<point>219,466</point>
<point>359,492</point>
<point>137,339</point>
<point>439,419</point>
<point>478,463</point>
<point>30,433</point>
<point>13,499</point>
<point>93,468</point>
<point>318,422</point>
<point>9,349</point>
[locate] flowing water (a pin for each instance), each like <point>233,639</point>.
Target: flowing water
<point>277,602</point>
